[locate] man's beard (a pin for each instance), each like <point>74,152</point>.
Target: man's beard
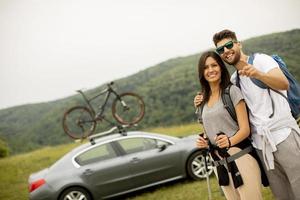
<point>237,56</point>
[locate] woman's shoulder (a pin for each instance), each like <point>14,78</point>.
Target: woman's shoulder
<point>234,88</point>
<point>235,91</point>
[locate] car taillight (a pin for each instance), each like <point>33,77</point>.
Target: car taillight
<point>36,184</point>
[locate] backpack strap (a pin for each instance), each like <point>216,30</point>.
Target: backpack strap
<point>227,101</point>
<point>237,80</point>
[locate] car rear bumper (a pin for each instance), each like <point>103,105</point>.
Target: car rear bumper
<point>43,193</point>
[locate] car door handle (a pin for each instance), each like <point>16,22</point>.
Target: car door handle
<point>88,172</point>
<point>135,160</point>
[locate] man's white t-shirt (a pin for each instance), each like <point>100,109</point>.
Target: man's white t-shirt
<point>259,103</point>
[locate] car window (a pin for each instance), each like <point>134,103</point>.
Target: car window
<point>133,145</point>
<point>99,153</point>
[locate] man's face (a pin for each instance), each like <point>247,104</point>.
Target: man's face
<point>229,50</point>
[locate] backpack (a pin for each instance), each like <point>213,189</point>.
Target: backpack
<point>228,105</point>
<point>293,93</point>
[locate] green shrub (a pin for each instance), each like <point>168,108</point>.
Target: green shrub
<point>4,150</point>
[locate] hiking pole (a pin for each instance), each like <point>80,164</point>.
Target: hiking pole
<point>205,155</point>
<point>207,175</point>
<point>205,151</point>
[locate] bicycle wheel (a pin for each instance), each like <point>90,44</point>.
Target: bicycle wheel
<point>128,109</point>
<point>78,122</point>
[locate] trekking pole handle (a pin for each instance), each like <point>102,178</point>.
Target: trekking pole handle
<point>202,135</point>
<point>205,154</point>
<point>197,110</point>
<point>205,138</point>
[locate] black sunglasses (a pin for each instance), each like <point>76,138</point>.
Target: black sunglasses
<point>228,45</point>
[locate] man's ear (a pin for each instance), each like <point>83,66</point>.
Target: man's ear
<point>240,45</point>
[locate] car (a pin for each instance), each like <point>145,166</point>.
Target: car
<point>117,164</point>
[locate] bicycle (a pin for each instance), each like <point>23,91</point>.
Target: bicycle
<point>80,122</point>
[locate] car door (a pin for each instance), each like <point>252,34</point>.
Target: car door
<point>151,160</point>
<point>104,170</point>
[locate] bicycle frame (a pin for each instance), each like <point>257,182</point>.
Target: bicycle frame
<point>107,92</point>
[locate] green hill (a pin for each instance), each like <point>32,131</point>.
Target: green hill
<point>167,88</point>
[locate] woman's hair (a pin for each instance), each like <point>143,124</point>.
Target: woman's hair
<point>225,77</point>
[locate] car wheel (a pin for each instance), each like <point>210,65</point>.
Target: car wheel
<point>75,193</point>
<point>196,166</point>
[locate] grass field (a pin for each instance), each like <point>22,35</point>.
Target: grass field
<point>14,172</point>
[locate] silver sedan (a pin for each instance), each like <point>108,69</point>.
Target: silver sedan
<point>116,164</point>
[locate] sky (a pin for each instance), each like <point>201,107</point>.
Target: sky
<point>50,48</point>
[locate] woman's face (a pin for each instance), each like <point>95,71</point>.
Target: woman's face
<point>212,71</point>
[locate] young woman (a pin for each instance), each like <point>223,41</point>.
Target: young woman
<point>238,170</point>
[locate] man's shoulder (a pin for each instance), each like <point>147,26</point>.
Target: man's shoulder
<point>261,56</point>
<point>264,62</point>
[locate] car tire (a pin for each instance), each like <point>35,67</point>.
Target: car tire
<point>196,166</point>
<point>75,193</point>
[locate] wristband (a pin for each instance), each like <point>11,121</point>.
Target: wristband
<point>229,143</point>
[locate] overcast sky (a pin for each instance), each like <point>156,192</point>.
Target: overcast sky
<point>50,48</point>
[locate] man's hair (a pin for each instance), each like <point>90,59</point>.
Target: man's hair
<point>224,34</point>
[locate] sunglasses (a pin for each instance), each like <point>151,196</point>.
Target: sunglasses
<point>228,45</point>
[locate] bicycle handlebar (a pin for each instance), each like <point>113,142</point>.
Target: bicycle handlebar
<point>83,95</point>
<point>102,92</point>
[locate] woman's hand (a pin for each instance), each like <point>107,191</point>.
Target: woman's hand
<point>198,99</point>
<point>202,143</point>
<point>223,141</point>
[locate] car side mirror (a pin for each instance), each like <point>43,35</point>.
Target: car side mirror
<point>162,147</point>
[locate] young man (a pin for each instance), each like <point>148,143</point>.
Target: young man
<point>276,137</point>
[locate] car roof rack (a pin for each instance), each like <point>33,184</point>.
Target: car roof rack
<point>120,129</point>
